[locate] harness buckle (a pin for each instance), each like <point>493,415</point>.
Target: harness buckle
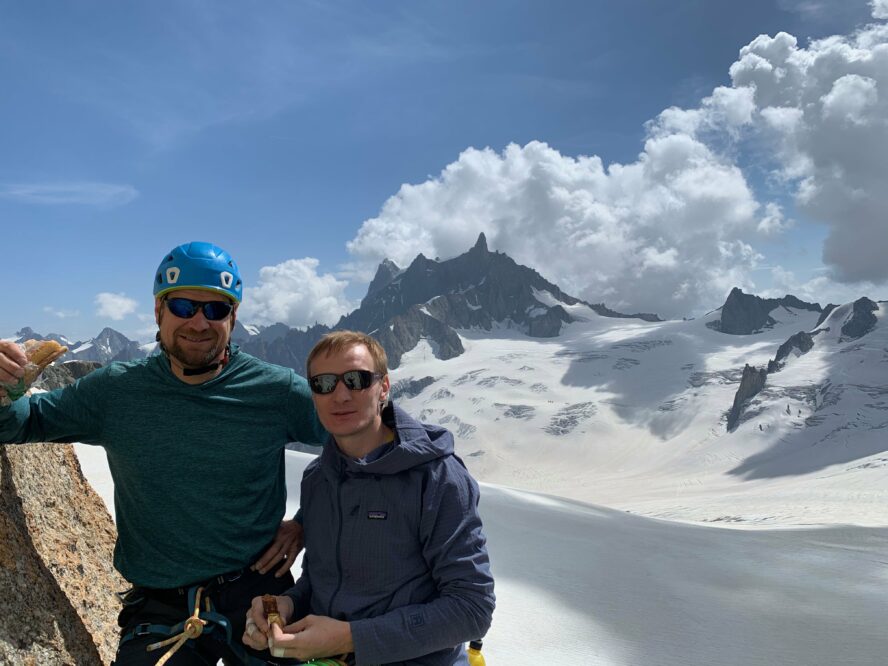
<point>143,629</point>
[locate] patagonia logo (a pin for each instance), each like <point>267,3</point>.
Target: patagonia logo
<point>377,515</point>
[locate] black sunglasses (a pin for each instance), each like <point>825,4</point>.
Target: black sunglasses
<point>354,380</point>
<point>185,308</point>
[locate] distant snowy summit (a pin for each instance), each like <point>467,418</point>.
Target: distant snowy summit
<point>107,346</point>
<point>745,314</point>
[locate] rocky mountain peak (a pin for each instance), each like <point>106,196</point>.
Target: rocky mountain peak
<point>108,334</point>
<point>385,273</point>
<point>862,319</point>
<point>430,300</point>
<point>480,244</point>
<point>743,314</point>
<point>28,333</point>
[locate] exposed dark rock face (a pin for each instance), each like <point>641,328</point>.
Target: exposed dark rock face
<point>289,350</point>
<point>410,388</point>
<point>605,311</point>
<point>481,288</point>
<point>791,301</point>
<point>861,321</point>
<point>751,383</point>
<point>386,272</point>
<point>406,330</point>
<point>743,314</point>
<point>826,313</point>
<point>548,324</point>
<point>801,341</point>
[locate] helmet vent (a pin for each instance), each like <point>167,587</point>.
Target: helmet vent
<point>172,275</point>
<point>226,278</point>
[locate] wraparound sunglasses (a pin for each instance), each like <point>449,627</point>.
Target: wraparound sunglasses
<point>354,380</point>
<point>185,308</point>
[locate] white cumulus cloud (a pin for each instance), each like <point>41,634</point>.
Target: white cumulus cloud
<point>661,234</point>
<point>295,294</point>
<point>824,110</point>
<point>114,306</point>
<point>672,231</point>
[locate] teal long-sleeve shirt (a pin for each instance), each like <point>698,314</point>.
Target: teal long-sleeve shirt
<point>199,486</point>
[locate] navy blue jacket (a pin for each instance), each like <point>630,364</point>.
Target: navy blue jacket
<point>395,547</point>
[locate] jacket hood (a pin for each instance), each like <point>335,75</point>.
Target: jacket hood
<point>415,443</point>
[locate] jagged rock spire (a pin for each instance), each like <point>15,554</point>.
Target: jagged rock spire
<point>480,244</point>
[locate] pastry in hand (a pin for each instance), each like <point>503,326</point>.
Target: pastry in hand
<point>40,353</point>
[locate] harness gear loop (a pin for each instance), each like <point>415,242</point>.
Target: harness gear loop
<point>192,628</point>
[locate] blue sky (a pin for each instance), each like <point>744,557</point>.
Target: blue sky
<point>310,139</point>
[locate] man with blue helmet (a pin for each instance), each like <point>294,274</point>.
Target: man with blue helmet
<point>195,440</point>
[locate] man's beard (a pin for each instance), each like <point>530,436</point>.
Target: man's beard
<point>195,358</point>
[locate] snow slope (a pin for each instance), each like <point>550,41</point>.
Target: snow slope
<point>579,584</point>
<point>632,415</point>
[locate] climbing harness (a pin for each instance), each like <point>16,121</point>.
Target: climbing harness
<point>191,628</point>
<point>177,635</point>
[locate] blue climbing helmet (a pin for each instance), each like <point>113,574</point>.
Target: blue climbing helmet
<point>199,266</point>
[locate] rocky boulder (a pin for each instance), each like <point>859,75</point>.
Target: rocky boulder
<point>56,545</point>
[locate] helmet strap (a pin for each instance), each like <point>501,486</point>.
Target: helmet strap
<point>192,372</point>
<point>204,369</point>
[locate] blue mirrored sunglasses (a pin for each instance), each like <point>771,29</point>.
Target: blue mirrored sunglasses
<point>354,380</point>
<point>185,308</point>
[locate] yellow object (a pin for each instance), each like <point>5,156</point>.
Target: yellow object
<point>193,628</point>
<point>475,656</point>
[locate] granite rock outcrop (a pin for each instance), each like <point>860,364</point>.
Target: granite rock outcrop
<point>56,545</point>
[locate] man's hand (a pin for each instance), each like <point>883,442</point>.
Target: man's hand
<point>12,364</point>
<point>256,632</point>
<point>287,545</point>
<point>311,637</point>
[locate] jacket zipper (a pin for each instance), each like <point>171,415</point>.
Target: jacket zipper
<point>338,549</point>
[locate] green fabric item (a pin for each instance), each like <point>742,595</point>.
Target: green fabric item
<point>15,391</point>
<point>198,470</point>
